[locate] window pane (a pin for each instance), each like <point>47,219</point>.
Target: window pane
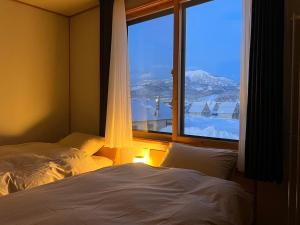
<point>212,69</point>
<point>151,61</point>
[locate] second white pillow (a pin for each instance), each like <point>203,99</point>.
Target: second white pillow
<point>213,162</point>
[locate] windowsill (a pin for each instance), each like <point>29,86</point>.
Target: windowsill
<point>162,137</point>
<point>191,140</point>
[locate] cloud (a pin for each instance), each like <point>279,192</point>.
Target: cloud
<point>145,76</point>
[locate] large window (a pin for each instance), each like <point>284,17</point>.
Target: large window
<point>208,74</point>
<point>212,69</point>
<point>151,61</point>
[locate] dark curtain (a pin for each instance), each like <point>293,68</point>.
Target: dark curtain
<point>264,136</point>
<point>106,13</point>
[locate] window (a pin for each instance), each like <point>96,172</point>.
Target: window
<point>212,69</point>
<point>208,73</point>
<point>151,61</point>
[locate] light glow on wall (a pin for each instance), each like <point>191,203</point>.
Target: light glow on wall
<point>143,156</point>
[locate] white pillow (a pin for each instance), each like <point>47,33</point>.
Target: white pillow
<point>89,144</point>
<point>75,166</point>
<point>213,162</point>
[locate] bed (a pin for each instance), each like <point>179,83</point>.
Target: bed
<point>29,165</point>
<point>138,194</point>
<point>131,194</point>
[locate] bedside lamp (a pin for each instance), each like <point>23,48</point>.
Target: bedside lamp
<point>140,159</point>
<point>142,156</point>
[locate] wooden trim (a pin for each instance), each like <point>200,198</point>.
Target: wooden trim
<point>70,114</point>
<point>149,17</point>
<point>134,13</point>
<point>57,13</point>
<point>182,61</point>
<point>152,136</point>
<point>156,6</point>
<point>154,144</point>
<point>196,141</point>
<point>207,142</point>
<point>37,7</point>
<point>152,9</point>
<point>176,70</point>
<point>85,10</point>
<point>148,9</point>
<point>188,3</point>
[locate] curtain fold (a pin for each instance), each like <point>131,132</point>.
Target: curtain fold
<point>106,14</point>
<point>245,58</point>
<point>118,132</point>
<point>263,149</point>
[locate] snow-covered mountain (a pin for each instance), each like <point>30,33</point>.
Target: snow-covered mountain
<point>152,88</point>
<point>199,84</point>
<point>205,78</point>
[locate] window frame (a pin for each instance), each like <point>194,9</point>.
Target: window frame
<point>157,9</point>
<point>164,136</point>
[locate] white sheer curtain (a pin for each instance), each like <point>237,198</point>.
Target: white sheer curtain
<point>118,131</point>
<point>245,56</point>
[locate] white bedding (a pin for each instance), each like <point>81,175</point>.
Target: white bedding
<point>33,164</point>
<point>132,194</point>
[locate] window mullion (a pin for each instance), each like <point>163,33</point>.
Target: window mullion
<point>176,70</point>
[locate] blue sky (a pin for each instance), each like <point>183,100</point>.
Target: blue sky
<point>213,37</point>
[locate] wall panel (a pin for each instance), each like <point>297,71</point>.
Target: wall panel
<point>84,75</point>
<point>34,74</point>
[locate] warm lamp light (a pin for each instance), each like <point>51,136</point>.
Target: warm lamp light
<point>142,156</point>
<point>140,159</point>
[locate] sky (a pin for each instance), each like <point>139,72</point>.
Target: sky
<point>213,37</point>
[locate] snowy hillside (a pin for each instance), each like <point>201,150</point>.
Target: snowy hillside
<point>199,84</point>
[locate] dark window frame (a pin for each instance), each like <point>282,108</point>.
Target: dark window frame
<point>177,134</point>
<point>185,6</point>
<point>150,133</point>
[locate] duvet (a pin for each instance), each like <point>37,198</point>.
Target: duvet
<point>131,194</point>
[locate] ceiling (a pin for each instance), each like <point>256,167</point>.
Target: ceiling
<point>72,7</point>
<point>65,7</point>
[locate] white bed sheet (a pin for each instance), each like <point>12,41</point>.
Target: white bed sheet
<point>132,194</point>
<point>33,164</point>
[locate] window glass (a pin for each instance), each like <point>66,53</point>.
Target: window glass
<point>150,46</point>
<point>212,69</point>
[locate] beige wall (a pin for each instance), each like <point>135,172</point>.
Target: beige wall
<point>85,79</point>
<point>34,71</point>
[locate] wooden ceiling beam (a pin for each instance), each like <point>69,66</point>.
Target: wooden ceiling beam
<point>149,8</point>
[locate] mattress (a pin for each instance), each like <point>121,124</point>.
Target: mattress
<point>133,194</point>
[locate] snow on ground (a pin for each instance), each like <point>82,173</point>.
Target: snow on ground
<point>143,110</point>
<point>209,127</point>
